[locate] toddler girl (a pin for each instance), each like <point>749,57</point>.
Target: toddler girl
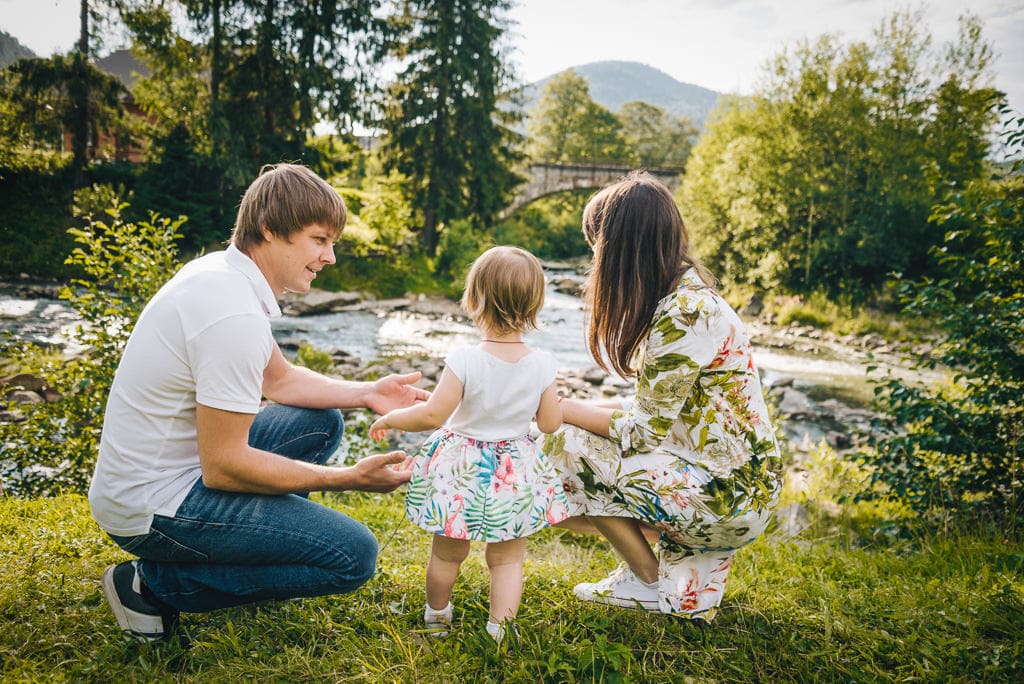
<point>481,477</point>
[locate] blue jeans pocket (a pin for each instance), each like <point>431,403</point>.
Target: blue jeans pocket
<point>157,546</point>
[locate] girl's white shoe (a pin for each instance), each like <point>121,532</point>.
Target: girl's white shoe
<point>437,621</point>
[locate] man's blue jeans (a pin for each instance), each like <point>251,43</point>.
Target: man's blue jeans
<point>226,549</point>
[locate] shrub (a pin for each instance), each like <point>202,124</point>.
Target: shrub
<point>959,446</point>
<point>124,264</point>
<point>314,359</point>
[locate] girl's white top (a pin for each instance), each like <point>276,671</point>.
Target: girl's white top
<point>499,398</point>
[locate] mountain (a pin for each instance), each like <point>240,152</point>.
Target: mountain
<point>11,50</point>
<point>612,84</point>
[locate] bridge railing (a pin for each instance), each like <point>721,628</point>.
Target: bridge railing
<point>604,167</point>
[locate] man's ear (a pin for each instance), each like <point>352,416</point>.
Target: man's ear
<point>267,235</point>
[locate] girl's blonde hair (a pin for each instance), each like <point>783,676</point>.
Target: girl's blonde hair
<point>641,250</point>
<point>504,290</point>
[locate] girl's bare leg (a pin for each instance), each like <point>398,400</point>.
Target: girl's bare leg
<point>626,536</point>
<point>446,556</point>
<point>505,562</point>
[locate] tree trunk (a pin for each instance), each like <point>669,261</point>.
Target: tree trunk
<point>216,74</point>
<point>80,96</point>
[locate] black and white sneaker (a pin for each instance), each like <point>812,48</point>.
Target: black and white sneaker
<point>137,615</point>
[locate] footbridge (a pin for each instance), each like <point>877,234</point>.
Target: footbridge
<point>547,178</point>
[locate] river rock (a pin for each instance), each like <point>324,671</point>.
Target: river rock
<point>753,307</point>
<point>567,286</point>
<point>21,381</point>
<point>794,403</point>
<point>24,397</point>
<point>436,306</point>
<point>317,302</point>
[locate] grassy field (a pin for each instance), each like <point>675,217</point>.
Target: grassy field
<point>844,600</point>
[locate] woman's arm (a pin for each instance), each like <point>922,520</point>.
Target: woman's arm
<point>428,415</point>
<point>592,417</point>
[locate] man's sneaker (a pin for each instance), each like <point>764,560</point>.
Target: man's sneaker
<point>621,588</point>
<point>438,621</point>
<point>137,615</point>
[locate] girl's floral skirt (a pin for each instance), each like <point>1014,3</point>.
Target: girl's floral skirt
<point>466,488</point>
<point>702,520</point>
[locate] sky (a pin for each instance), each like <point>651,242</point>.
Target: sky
<point>718,44</point>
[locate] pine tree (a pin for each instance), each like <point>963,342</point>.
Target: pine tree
<point>448,127</point>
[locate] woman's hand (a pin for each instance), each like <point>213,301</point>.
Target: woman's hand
<point>395,391</point>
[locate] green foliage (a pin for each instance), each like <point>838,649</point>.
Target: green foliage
<point>123,265</point>
<point>567,125</point>
<point>548,227</point>
<point>183,180</point>
<point>823,179</point>
<point>654,138</point>
<point>461,243</point>
<point>62,93</point>
<point>448,129</point>
<point>829,605</point>
<point>315,359</point>
<point>960,449</point>
<point>35,206</point>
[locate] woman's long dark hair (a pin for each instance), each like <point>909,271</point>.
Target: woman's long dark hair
<point>641,250</point>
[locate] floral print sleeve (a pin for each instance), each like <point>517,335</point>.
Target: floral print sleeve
<point>682,342</point>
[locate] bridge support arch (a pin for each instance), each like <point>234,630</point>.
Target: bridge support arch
<point>549,178</point>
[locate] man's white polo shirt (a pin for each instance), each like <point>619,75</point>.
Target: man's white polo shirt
<point>204,338</point>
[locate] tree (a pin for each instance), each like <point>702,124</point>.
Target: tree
<point>823,180</point>
<point>654,138</point>
<point>566,125</point>
<point>448,123</point>
<point>270,70</point>
<point>45,101</point>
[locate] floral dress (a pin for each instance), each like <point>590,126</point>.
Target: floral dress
<point>693,455</point>
<point>482,477</point>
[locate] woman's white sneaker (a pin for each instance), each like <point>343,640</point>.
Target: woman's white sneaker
<point>620,588</point>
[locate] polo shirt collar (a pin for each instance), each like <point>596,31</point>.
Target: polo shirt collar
<point>247,267</point>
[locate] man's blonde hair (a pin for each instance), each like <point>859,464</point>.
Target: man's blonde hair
<point>504,290</point>
<point>284,199</point>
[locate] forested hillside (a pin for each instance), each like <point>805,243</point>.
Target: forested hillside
<point>11,49</point>
<point>614,83</point>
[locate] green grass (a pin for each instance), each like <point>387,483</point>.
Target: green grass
<point>835,603</point>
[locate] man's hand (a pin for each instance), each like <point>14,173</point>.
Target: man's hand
<point>381,472</point>
<point>395,391</point>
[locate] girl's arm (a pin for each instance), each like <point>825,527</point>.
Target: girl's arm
<point>549,413</point>
<point>428,415</point>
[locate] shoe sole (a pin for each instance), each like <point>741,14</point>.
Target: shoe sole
<point>110,593</point>
<point>650,606</point>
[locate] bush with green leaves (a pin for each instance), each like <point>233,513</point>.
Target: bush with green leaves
<point>122,264</point>
<point>957,447</point>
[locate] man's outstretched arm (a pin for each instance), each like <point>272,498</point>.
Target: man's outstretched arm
<point>229,463</point>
